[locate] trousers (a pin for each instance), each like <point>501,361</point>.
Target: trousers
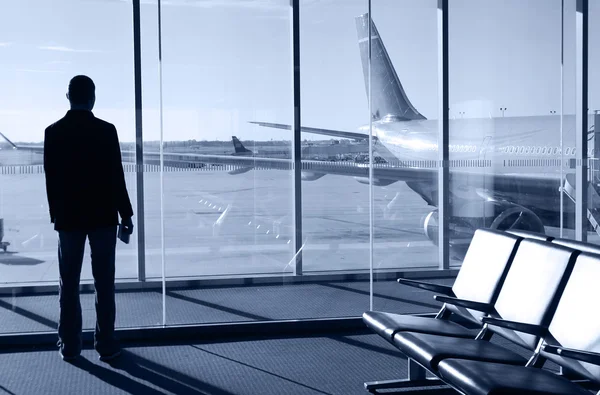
<point>71,246</point>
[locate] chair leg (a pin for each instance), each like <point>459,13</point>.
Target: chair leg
<point>373,386</point>
<point>415,371</point>
<point>417,377</point>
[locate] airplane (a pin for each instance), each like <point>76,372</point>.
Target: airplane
<point>276,152</point>
<point>505,172</point>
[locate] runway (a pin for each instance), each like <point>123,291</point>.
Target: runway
<point>221,224</point>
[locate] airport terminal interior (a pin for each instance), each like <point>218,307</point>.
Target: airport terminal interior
<point>329,196</point>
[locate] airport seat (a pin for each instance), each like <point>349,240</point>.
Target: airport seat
<point>494,378</point>
<point>578,245</point>
<point>530,235</point>
<point>529,295</point>
<point>572,341</point>
<point>479,279</point>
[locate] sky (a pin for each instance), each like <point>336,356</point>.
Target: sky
<point>227,62</point>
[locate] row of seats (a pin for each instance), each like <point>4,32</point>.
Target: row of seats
<point>533,290</point>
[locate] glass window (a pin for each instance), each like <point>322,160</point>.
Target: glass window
<point>228,210</point>
<point>405,213</point>
<point>333,97</point>
<point>43,45</point>
<point>594,107</point>
<point>495,49</point>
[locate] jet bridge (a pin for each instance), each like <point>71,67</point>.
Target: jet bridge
<point>593,209</point>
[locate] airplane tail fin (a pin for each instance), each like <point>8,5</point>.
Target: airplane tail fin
<point>389,98</point>
<point>8,141</point>
<point>239,147</point>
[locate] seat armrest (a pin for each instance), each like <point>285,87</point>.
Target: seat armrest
<point>442,289</point>
<point>468,304</point>
<point>535,330</point>
<point>583,356</point>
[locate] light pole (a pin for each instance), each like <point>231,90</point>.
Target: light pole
<point>502,109</point>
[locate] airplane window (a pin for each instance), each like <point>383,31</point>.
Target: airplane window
<point>537,150</point>
<point>543,150</point>
<point>521,149</point>
<point>568,151</point>
<point>555,150</point>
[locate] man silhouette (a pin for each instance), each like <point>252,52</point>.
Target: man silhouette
<point>86,192</point>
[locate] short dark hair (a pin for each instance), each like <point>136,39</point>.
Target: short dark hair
<point>81,89</point>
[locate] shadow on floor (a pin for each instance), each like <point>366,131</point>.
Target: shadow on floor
<point>12,258</point>
<point>382,296</point>
<point>29,314</point>
<point>159,376</point>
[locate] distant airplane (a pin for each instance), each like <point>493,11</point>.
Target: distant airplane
<point>505,173</point>
<point>276,152</point>
<point>239,147</point>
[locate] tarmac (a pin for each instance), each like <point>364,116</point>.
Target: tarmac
<point>217,224</point>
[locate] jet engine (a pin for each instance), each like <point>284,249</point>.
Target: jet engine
<point>240,170</point>
<point>378,182</point>
<point>310,176</point>
<point>492,214</point>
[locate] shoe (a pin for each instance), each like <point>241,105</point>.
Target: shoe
<point>67,357</point>
<point>109,357</point>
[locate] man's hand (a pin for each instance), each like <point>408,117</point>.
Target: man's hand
<point>127,225</point>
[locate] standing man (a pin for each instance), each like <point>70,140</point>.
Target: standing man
<point>86,192</point>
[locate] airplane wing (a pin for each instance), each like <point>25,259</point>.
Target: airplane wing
<point>35,148</point>
<point>325,132</point>
<point>396,171</point>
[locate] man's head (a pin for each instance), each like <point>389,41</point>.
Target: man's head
<point>82,93</point>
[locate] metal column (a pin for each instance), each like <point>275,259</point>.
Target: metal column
<point>139,141</point>
<point>443,137</point>
<point>581,183</point>
<point>297,142</point>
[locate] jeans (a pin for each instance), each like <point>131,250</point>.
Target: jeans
<point>70,258</point>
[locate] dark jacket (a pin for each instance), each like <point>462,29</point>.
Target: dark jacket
<point>85,183</point>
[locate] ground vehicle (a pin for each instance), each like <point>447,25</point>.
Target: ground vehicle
<point>3,244</point>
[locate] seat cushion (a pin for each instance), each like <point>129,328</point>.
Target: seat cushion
<point>429,350</point>
<point>387,324</point>
<point>472,377</point>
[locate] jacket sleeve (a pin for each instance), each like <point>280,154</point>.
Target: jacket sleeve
<point>122,197</point>
<point>50,172</point>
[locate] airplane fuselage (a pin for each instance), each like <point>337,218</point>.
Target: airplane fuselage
<point>490,147</point>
